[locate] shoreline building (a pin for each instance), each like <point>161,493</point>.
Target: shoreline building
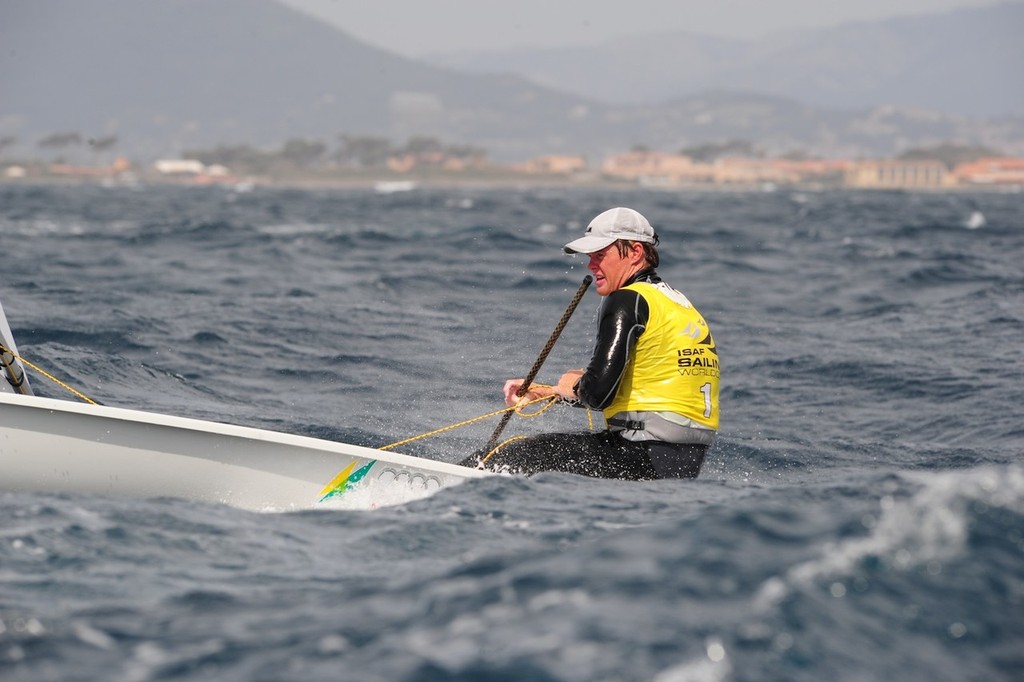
<point>894,174</point>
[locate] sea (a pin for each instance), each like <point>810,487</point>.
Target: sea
<point>860,518</point>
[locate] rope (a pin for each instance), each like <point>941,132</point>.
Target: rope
<point>499,447</point>
<point>553,400</point>
<point>49,376</point>
<point>590,424</point>
<point>518,409</point>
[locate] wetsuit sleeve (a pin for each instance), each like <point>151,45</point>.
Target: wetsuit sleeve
<point>623,318</point>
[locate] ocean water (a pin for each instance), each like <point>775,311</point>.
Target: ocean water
<point>860,517</point>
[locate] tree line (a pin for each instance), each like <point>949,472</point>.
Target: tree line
<point>368,152</point>
<point>356,152</point>
<point>350,151</point>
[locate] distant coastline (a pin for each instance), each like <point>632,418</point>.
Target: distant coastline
<point>384,185</point>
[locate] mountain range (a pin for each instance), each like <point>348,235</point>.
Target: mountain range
<point>967,62</point>
<point>164,76</point>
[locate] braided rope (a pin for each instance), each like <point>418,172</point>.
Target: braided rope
<point>49,376</point>
<point>517,409</point>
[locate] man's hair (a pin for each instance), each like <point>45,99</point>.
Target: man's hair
<point>650,251</point>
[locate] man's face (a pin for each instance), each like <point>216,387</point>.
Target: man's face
<point>611,269</point>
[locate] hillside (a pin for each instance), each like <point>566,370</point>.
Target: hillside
<point>966,62</point>
<point>177,73</point>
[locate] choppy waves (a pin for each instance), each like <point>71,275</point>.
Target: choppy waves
<point>859,518</point>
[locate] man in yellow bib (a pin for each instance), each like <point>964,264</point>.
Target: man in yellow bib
<point>654,371</point>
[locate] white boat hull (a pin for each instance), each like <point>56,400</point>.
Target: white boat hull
<point>57,446</point>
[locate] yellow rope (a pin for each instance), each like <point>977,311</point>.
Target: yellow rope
<point>49,376</point>
<point>518,408</point>
<point>551,400</point>
<point>500,446</point>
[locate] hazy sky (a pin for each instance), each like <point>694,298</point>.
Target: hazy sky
<point>417,27</point>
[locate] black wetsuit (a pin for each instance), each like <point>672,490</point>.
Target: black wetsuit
<point>604,454</point>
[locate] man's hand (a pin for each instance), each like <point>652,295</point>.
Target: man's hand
<point>512,387</point>
<point>564,389</point>
<point>567,384</point>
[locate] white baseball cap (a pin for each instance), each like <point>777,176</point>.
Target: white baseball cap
<point>612,225</point>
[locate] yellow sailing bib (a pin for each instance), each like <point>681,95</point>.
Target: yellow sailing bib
<point>675,365</point>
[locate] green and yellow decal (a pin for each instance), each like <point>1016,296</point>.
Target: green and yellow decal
<point>348,477</point>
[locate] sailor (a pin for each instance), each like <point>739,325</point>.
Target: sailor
<point>654,371</point>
